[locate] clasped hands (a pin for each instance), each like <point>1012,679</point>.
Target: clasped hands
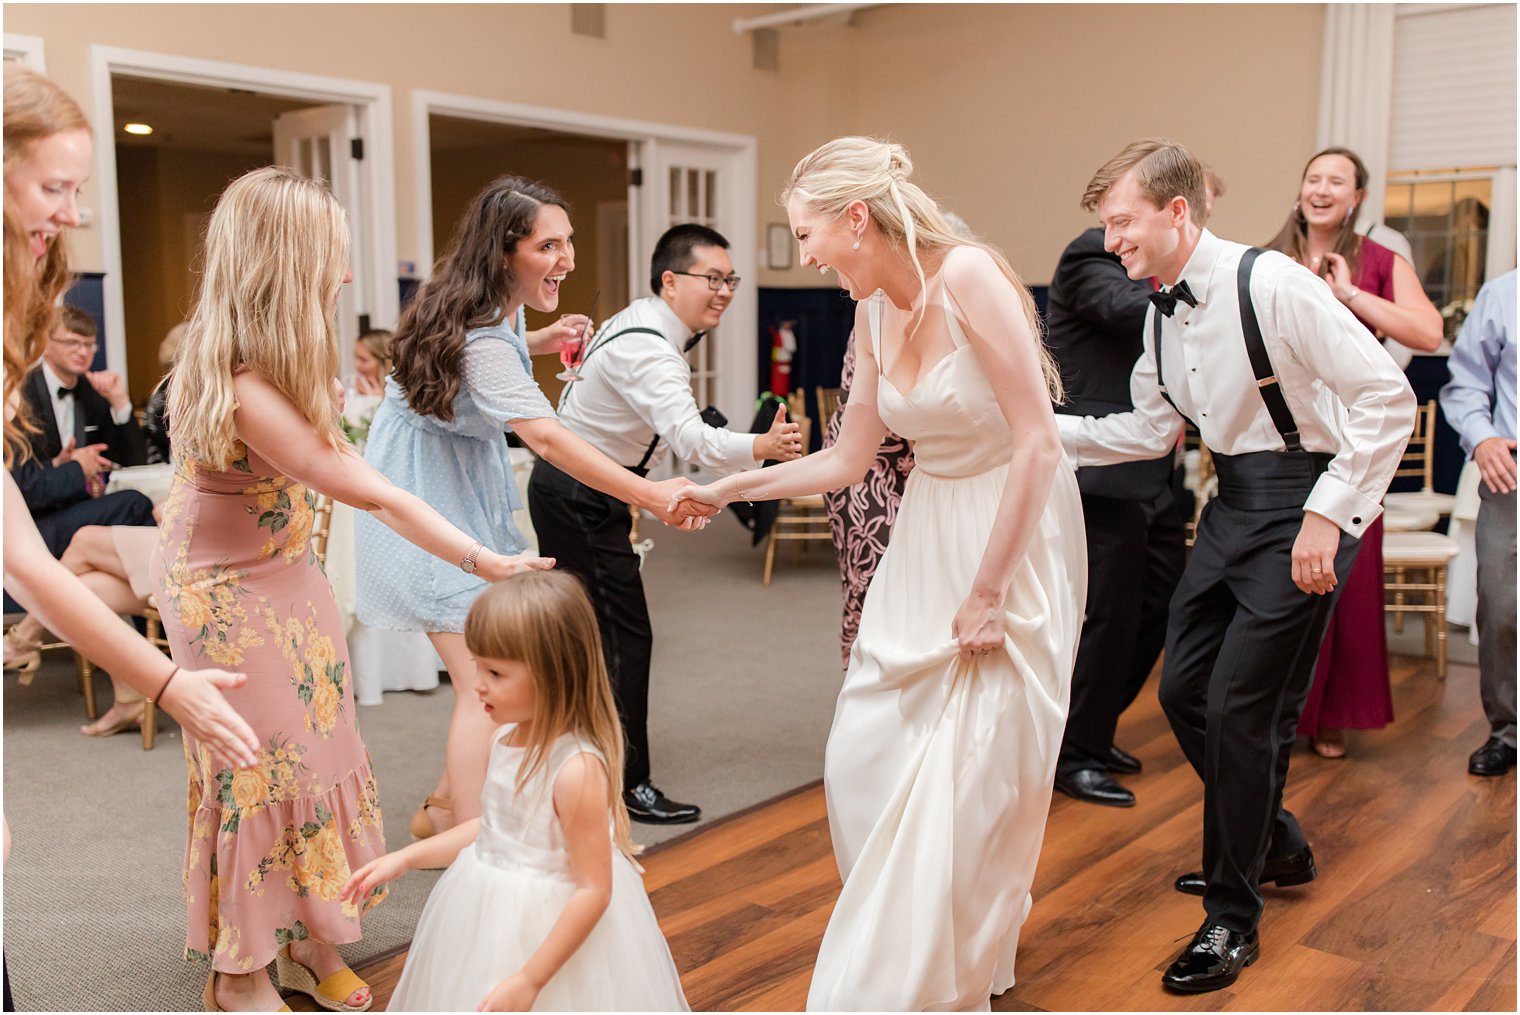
<point>675,503</point>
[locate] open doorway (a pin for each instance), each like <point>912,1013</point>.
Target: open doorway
<point>591,173</point>
<point>673,174</point>
<point>167,183</point>
<point>337,128</point>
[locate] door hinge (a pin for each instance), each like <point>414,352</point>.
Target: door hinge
<point>635,177</point>
<point>356,148</point>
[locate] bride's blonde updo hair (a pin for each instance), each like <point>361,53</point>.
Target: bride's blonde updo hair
<point>878,173</point>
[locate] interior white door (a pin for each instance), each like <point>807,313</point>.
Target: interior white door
<point>687,184</point>
<point>692,182</point>
<point>322,142</point>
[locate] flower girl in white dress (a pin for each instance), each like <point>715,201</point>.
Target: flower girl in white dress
<point>542,908</point>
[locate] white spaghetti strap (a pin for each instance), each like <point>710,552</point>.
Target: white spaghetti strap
<point>957,336</point>
<point>873,318</point>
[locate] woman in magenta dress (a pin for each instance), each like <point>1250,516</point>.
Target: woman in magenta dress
<point>1351,688</point>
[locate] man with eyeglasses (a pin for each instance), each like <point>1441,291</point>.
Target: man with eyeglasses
<point>633,401</point>
<point>84,427</point>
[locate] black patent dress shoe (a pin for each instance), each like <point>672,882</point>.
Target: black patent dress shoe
<point>1283,871</point>
<point>1122,762</point>
<point>1213,960</point>
<point>1493,758</point>
<point>649,805</point>
<point>1094,786</point>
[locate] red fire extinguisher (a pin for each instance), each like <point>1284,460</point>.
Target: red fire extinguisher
<point>783,347</point>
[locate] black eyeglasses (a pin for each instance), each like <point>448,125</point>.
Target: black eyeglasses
<point>714,282</point>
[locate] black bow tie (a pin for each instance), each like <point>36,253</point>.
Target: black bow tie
<point>1166,299</point>
<point>691,343</point>
<point>65,392</point>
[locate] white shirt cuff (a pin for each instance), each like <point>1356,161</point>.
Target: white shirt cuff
<point>120,416</point>
<point>1069,428</point>
<point>1342,504</point>
<point>741,451</point>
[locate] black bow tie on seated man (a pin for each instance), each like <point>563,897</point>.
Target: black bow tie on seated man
<point>1166,299</point>
<point>65,392</point>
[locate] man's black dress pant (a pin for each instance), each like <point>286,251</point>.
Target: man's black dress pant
<point>586,531</point>
<point>1240,650</point>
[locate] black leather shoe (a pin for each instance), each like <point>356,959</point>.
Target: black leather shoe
<point>1094,786</point>
<point>649,805</point>
<point>1493,758</point>
<point>1213,960</point>
<point>1282,871</point>
<point>1122,762</point>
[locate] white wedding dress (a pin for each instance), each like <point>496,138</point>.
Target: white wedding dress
<point>938,774</point>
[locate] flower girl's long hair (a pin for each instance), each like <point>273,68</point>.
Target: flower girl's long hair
<point>544,620</point>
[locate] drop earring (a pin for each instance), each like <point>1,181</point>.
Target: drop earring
<point>856,244</point>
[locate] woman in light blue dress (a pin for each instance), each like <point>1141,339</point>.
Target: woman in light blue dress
<point>462,376</point>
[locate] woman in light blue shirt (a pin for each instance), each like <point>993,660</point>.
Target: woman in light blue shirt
<point>462,376</point>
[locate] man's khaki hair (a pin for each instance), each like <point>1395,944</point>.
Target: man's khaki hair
<point>1163,168</point>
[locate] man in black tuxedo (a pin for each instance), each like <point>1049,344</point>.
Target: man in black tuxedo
<point>84,427</point>
<point>1135,513</point>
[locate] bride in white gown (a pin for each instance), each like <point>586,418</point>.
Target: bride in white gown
<point>942,754</point>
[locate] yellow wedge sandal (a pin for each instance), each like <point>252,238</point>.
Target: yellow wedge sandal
<point>332,993</point>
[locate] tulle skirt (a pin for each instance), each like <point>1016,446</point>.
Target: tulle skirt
<point>485,918</point>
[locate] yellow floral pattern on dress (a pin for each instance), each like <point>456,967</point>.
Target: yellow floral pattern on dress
<point>319,676</point>
<point>288,510</point>
<point>369,810</point>
<point>278,775</point>
<point>270,846</point>
<point>314,856</point>
<point>207,602</point>
<point>229,946</point>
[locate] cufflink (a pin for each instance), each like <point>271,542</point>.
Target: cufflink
<point>1356,519</point>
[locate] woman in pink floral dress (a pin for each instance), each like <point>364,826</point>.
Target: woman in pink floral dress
<point>254,418</point>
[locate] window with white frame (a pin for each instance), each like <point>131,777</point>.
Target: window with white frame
<point>1445,216</point>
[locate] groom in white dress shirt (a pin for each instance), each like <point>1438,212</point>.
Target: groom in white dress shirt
<point>1306,417</point>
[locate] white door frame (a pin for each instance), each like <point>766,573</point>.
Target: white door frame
<point>372,102</point>
<point>26,50</point>
<point>737,385</point>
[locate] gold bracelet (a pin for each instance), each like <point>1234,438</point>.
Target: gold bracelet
<point>153,700</point>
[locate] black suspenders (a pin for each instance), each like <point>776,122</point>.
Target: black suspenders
<point>1256,349</point>
<point>649,451</point>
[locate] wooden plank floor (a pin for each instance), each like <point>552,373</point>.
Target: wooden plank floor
<point>1414,908</point>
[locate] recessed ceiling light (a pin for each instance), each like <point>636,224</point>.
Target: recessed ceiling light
<point>137,128</point>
